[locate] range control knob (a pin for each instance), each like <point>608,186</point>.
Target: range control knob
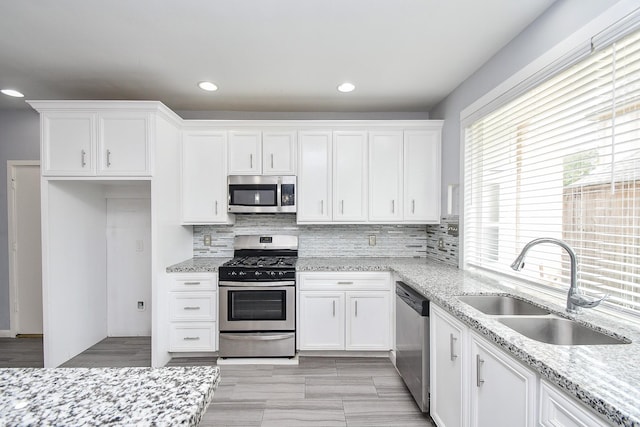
<point>258,273</point>
<point>242,273</point>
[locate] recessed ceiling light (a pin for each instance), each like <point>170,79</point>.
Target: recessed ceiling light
<point>12,92</point>
<point>208,86</point>
<point>346,87</point>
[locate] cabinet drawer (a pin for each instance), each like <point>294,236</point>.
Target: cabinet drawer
<point>192,336</point>
<point>194,282</point>
<point>344,281</point>
<point>192,306</point>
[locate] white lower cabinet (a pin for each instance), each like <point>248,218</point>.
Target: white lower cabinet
<point>344,311</point>
<point>448,355</point>
<point>502,391</point>
<point>559,410</point>
<point>193,311</point>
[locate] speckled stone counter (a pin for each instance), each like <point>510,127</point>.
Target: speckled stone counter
<point>106,396</point>
<point>197,265</point>
<point>604,377</point>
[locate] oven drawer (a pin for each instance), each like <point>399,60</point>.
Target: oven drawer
<point>344,281</point>
<point>194,282</point>
<point>192,306</point>
<point>257,344</point>
<point>192,336</point>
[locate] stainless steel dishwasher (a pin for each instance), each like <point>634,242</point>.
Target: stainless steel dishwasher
<point>412,342</point>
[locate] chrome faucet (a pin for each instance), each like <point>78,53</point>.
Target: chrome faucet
<point>574,299</point>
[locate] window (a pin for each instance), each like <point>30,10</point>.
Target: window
<point>562,160</point>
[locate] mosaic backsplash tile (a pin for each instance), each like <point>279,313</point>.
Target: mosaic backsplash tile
<point>330,240</point>
<point>448,253</point>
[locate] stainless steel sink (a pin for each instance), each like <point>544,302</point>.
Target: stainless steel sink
<point>501,305</point>
<point>552,330</point>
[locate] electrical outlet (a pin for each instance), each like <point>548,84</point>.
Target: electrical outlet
<point>441,243</point>
<point>140,305</point>
<point>207,239</point>
<point>372,240</point>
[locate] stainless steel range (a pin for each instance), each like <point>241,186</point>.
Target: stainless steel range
<point>257,314</point>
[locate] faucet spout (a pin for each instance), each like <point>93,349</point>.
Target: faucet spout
<point>574,300</point>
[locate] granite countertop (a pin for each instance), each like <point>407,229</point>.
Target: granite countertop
<point>604,377</point>
<point>106,396</point>
<point>198,265</point>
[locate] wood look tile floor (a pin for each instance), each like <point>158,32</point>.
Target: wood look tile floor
<point>319,391</point>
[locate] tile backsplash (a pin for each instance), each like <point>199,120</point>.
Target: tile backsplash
<point>330,240</point>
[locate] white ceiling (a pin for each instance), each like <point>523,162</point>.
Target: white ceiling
<point>265,55</point>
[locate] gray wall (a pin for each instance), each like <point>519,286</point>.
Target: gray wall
<point>562,19</point>
<point>19,140</point>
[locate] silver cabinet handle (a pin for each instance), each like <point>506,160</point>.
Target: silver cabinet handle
<point>342,206</point>
<point>479,363</point>
<point>271,160</point>
<point>393,206</point>
<point>216,208</point>
<point>108,158</point>
<point>345,283</point>
<point>356,308</point>
<point>250,161</point>
<point>191,283</point>
<point>83,158</point>
<point>334,308</point>
<point>321,207</point>
<point>413,206</point>
<point>452,340</point>
<point>191,338</point>
<point>191,308</point>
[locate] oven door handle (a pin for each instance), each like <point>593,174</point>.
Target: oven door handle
<point>256,284</point>
<point>245,337</point>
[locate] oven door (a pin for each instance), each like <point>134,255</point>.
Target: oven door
<point>251,306</point>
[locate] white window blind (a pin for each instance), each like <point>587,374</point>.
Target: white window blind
<point>563,161</point>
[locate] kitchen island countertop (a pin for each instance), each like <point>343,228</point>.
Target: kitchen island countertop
<point>603,377</point>
<point>106,396</point>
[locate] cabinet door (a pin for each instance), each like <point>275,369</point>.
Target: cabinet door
<point>68,143</point>
<point>447,356</point>
<point>123,144</point>
<point>279,153</point>
<point>422,176</point>
<point>559,410</point>
<point>368,320</point>
<point>321,324</point>
<point>503,392</point>
<point>204,178</point>
<point>350,176</point>
<point>244,153</point>
<point>385,176</point>
<point>314,176</point>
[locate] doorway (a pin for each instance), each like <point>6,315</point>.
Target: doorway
<point>25,247</point>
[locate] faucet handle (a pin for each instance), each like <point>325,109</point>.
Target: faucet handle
<point>582,301</point>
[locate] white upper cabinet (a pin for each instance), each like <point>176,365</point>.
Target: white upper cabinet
<point>96,143</point>
<point>69,141</point>
<point>245,153</point>
<point>279,153</point>
<point>204,178</point>
<point>314,176</point>
<point>123,143</point>
<point>262,153</point>
<point>385,176</point>
<point>422,176</point>
<point>350,176</point>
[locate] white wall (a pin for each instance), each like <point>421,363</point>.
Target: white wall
<point>74,268</point>
<point>561,20</point>
<point>19,140</point>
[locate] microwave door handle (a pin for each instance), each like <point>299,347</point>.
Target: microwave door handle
<point>279,192</point>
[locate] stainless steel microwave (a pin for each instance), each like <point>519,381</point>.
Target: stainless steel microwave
<point>262,194</point>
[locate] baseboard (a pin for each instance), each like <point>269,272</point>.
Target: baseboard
<point>5,333</point>
<point>343,353</point>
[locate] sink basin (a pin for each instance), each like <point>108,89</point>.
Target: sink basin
<point>503,305</point>
<point>558,331</point>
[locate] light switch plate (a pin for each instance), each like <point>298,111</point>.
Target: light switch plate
<point>372,240</point>
<point>207,239</point>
